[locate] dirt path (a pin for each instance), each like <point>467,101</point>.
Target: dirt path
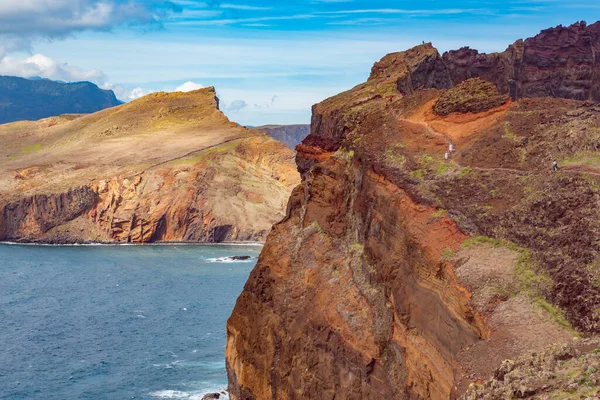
<point>429,129</point>
<point>435,133</point>
<point>192,152</point>
<point>512,170</point>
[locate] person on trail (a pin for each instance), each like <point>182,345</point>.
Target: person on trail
<point>554,166</point>
<point>450,147</point>
<point>446,155</point>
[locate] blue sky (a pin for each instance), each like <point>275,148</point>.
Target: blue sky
<point>269,60</point>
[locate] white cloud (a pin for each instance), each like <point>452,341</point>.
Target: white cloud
<point>189,86</point>
<point>45,67</point>
<point>22,21</point>
<point>124,94</point>
<point>230,21</point>
<point>137,93</point>
<point>236,105</point>
<point>54,18</point>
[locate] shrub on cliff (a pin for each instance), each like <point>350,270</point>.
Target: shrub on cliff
<point>472,95</point>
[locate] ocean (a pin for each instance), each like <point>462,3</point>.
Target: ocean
<point>116,322</point>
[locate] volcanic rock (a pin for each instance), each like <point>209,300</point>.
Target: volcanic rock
<point>473,95</point>
<point>559,62</point>
<point>399,273</point>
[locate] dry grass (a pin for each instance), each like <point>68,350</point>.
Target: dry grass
<point>124,140</point>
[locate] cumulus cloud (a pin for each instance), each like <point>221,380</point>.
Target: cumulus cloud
<point>22,21</point>
<point>236,105</point>
<point>57,18</point>
<point>45,67</point>
<point>124,94</point>
<point>138,92</point>
<point>189,86</point>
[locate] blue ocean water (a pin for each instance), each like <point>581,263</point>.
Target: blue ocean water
<point>116,322</point>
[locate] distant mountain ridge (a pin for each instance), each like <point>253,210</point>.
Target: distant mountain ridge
<point>290,135</point>
<point>33,99</point>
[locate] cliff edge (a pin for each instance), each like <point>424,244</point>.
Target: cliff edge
<point>166,167</point>
<point>422,250</point>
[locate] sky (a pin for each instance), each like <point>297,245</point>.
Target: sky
<point>270,60</point>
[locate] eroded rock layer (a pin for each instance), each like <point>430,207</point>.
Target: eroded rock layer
<point>167,167</point>
<point>559,62</point>
<point>402,273</point>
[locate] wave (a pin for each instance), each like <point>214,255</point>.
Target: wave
<point>229,260</point>
<point>258,244</point>
<point>61,245</point>
<point>179,394</point>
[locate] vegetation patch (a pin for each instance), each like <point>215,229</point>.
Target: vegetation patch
<point>31,148</point>
<point>439,213</point>
<point>555,313</point>
<point>532,282</point>
<point>508,134</point>
<point>418,174</point>
<point>447,254</point>
<point>465,172</point>
<point>344,154</point>
<point>319,229</point>
<point>434,165</point>
<point>357,248</point>
<point>473,95</point>
<point>394,155</point>
<point>588,158</point>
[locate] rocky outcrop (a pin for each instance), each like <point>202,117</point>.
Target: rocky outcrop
<point>562,371</point>
<point>398,273</point>
<point>501,69</point>
<point>35,215</point>
<point>559,62</point>
<point>168,167</point>
<point>421,67</point>
<point>473,95</point>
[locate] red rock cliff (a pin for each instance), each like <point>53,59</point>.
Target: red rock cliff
<point>398,273</point>
<point>559,62</point>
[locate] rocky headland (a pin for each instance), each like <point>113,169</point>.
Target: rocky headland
<point>430,241</point>
<point>166,167</point>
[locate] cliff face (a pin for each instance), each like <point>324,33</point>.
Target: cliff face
<point>167,167</point>
<point>399,273</point>
<point>559,62</point>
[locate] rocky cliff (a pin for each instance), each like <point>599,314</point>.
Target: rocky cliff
<point>406,270</point>
<point>559,62</point>
<point>167,167</point>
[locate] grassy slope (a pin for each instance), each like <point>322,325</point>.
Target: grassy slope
<point>55,153</point>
